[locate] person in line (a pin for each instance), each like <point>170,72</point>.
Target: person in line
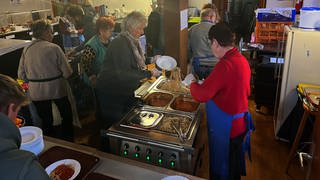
<point>85,23</point>
<point>214,7</point>
<point>95,49</point>
<point>154,31</point>
<point>44,66</point>
<point>200,52</point>
<point>122,71</point>
<point>15,163</point>
<point>94,53</point>
<point>70,35</point>
<point>225,92</point>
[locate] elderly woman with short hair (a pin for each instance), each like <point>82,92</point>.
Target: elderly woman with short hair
<point>123,69</point>
<point>95,49</point>
<point>44,65</point>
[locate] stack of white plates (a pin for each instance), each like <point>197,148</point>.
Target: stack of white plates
<point>175,178</point>
<point>32,139</point>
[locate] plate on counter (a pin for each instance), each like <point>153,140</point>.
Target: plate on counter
<point>65,169</point>
<point>30,134</point>
<point>166,63</point>
<point>175,178</point>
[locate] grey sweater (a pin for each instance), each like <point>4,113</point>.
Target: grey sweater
<point>44,60</point>
<point>199,44</point>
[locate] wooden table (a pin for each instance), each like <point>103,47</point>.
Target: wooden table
<point>307,112</point>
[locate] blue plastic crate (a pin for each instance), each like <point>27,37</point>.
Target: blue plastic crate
<point>276,15</point>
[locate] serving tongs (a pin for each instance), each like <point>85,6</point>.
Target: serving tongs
<point>182,136</point>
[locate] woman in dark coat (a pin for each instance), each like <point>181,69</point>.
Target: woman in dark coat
<point>122,71</point>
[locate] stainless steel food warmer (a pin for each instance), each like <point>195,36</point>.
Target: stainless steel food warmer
<point>162,131</point>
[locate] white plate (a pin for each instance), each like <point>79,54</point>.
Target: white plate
<point>73,163</point>
<point>166,63</point>
<point>30,134</point>
<point>175,178</point>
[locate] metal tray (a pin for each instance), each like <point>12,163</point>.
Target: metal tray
<point>163,123</point>
<point>159,82</point>
<point>138,117</point>
<point>172,105</point>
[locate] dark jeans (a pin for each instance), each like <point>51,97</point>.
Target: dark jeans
<point>44,109</point>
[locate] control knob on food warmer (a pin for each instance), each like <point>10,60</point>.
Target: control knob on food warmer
<point>125,149</point>
<point>137,154</point>
<point>160,158</point>
<point>148,154</point>
<point>173,158</point>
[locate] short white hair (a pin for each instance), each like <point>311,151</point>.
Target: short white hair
<point>207,12</point>
<point>133,20</point>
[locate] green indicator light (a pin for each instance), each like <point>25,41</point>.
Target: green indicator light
<point>173,164</point>
<point>160,161</point>
<point>136,155</point>
<point>148,158</point>
<point>125,152</point>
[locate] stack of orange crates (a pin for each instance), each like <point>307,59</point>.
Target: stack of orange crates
<point>270,32</point>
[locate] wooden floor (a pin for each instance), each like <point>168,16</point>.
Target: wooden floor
<point>268,154</point>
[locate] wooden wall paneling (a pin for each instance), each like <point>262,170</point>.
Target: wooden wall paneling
<point>184,42</point>
<point>176,40</point>
<point>262,3</point>
<point>222,6</point>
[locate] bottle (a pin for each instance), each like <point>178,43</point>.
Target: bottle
<point>298,6</point>
<point>123,10</point>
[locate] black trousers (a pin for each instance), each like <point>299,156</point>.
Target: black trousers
<point>44,109</point>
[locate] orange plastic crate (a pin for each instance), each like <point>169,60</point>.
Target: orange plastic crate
<point>270,32</point>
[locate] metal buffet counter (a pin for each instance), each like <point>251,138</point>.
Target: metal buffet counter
<point>95,163</point>
<point>161,130</point>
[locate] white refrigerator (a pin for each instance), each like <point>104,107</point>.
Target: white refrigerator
<point>302,65</point>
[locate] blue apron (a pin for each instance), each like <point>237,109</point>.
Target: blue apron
<point>200,70</point>
<point>219,126</point>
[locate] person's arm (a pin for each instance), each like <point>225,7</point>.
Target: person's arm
<point>211,86</point>
<point>63,64</point>
<point>63,27</point>
<point>88,55</point>
<point>124,66</point>
<point>21,72</point>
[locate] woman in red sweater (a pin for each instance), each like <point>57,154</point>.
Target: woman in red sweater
<point>225,92</point>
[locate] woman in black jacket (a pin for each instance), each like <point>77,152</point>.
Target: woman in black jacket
<point>122,71</point>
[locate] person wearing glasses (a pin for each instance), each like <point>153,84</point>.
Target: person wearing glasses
<point>225,92</point>
<point>122,71</point>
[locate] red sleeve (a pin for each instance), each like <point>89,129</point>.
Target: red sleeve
<point>211,86</point>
